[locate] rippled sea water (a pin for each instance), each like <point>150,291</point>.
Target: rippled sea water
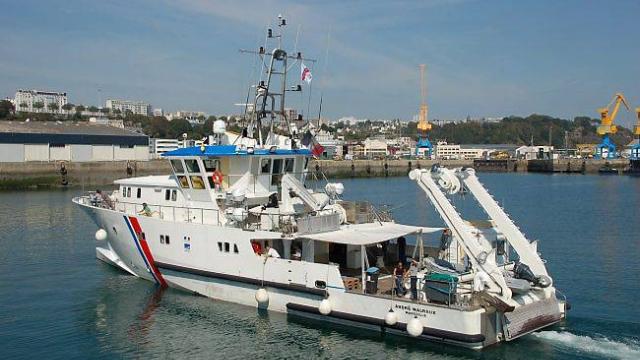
<point>58,302</point>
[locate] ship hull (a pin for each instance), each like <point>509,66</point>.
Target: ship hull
<point>192,262</point>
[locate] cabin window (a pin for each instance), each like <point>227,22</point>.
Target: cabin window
<point>211,183</point>
<point>235,248</point>
<point>161,239</point>
<point>197,182</point>
<point>174,195</point>
<point>139,193</point>
<point>265,166</point>
<point>128,192</point>
<point>277,170</point>
<point>166,239</point>
<point>226,247</point>
<point>192,166</point>
<point>177,166</point>
<point>184,183</point>
<point>306,163</point>
<point>288,165</point>
<point>211,164</point>
<point>277,166</point>
<point>219,246</point>
<point>167,194</point>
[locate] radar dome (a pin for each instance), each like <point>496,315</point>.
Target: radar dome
<point>219,127</point>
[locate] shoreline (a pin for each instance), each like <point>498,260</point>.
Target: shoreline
<point>74,175</point>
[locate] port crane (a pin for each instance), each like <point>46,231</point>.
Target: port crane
<point>635,150</point>
<point>423,146</point>
<point>607,149</point>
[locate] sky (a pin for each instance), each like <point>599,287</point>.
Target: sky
<point>484,58</point>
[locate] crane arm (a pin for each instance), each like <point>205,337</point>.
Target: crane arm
<point>607,119</point>
<point>619,100</point>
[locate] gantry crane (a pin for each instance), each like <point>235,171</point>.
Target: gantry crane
<point>607,149</point>
<point>423,146</point>
<point>635,150</point>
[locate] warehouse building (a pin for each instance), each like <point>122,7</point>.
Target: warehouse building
<point>69,141</point>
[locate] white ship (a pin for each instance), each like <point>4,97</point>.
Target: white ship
<point>234,221</point>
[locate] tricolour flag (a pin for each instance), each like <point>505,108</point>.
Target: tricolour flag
<point>305,73</point>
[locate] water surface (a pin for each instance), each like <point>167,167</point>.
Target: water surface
<point>57,301</point>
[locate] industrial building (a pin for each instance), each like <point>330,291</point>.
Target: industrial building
<point>69,141</point>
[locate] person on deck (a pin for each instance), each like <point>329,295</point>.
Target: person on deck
<point>105,199</point>
<point>413,275</point>
<point>146,211</point>
<point>399,274</point>
<point>271,252</point>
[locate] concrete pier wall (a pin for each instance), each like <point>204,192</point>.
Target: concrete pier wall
<point>578,165</point>
<point>28,175</point>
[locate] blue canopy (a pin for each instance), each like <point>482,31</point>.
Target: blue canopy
<point>230,150</point>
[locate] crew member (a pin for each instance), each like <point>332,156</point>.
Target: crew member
<point>399,274</point>
<point>413,276</point>
<point>146,211</point>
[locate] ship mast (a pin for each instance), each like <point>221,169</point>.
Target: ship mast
<point>268,107</point>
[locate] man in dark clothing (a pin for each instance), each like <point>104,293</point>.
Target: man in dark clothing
<point>399,274</point>
<point>402,250</point>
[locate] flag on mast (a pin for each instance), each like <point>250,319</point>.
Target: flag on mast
<point>305,73</point>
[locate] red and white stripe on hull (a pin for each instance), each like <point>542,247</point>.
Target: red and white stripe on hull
<point>143,248</point>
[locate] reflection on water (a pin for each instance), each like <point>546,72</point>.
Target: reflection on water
<point>58,301</point>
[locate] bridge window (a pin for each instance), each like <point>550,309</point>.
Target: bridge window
<point>219,246</point>
<point>166,239</point>
<point>277,170</point>
<point>174,195</point>
<point>167,194</point>
<point>139,193</point>
<point>177,166</point>
<point>184,183</point>
<point>161,239</point>
<point>197,182</point>
<point>211,164</point>
<point>265,165</point>
<point>128,192</point>
<point>235,248</point>
<point>226,247</point>
<point>288,165</point>
<point>192,166</point>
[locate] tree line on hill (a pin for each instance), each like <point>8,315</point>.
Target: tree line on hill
<point>533,129</point>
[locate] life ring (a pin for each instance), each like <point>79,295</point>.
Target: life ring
<point>217,177</point>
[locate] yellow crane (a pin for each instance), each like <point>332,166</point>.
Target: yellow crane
<point>636,129</point>
<point>606,119</point>
<point>607,149</point>
<point>423,123</point>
